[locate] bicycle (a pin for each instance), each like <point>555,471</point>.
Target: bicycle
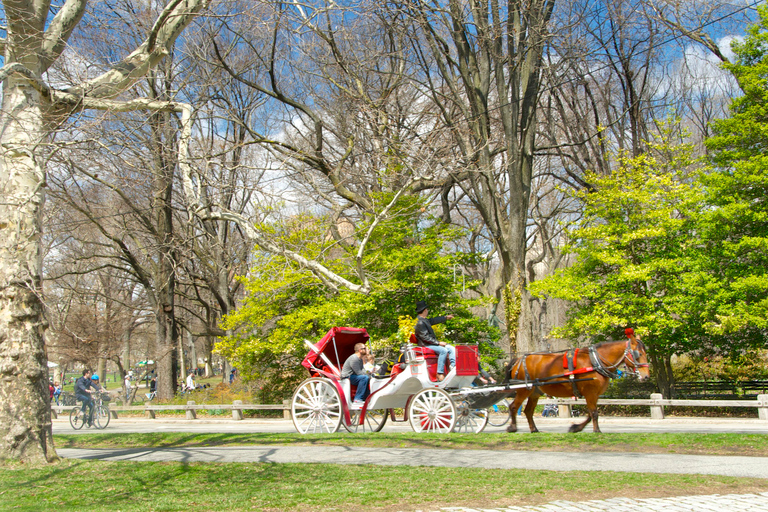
<point>78,418</point>
<point>550,410</point>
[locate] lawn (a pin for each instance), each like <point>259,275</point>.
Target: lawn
<point>171,486</point>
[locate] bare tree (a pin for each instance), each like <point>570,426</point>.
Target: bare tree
<point>36,35</point>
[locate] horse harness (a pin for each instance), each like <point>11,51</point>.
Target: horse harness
<point>597,364</point>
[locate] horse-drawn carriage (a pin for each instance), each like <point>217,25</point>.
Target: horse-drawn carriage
<point>323,403</point>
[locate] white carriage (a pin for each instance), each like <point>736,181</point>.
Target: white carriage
<point>323,403</point>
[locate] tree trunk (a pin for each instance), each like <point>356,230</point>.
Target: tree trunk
<point>192,352</point>
<point>25,416</point>
<point>661,364</point>
<point>183,364</point>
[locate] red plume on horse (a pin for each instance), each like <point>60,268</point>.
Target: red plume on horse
<point>580,372</point>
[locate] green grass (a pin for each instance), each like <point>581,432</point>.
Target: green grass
<point>683,443</point>
<point>155,486</point>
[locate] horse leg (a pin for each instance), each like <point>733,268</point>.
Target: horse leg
<point>578,427</point>
<point>530,407</point>
<point>592,408</point>
<point>521,395</point>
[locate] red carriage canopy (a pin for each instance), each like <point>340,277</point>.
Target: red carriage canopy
<point>337,345</point>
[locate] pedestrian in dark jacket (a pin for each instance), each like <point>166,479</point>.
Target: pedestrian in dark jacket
<point>83,390</point>
<point>426,337</point>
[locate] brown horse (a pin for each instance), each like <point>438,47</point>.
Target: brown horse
<point>578,372</point>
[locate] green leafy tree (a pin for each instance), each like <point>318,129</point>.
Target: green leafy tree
<point>736,227</point>
<point>286,304</point>
<point>634,258</point>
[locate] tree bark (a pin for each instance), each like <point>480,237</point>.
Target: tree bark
<point>25,417</point>
<point>29,110</point>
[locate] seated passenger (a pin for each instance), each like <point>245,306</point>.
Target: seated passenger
<point>354,370</point>
<point>368,362</point>
<point>483,377</point>
<point>426,337</point>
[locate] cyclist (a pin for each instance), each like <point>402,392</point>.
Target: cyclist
<point>83,390</point>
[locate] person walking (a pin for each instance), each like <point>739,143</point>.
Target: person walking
<point>128,388</point>
<point>56,392</point>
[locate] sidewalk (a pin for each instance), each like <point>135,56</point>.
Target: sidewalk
<point>711,503</point>
<point>752,467</point>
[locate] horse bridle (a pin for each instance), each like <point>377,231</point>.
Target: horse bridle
<point>632,357</point>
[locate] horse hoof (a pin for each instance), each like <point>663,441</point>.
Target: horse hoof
<point>574,428</point>
<point>511,429</point>
<point>535,431</point>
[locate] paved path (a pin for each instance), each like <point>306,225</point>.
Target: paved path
<point>754,467</point>
<point>712,503</point>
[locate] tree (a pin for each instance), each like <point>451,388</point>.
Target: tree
<point>409,263</point>
<point>481,66</point>
<point>736,229</point>
<point>36,36</point>
<point>636,259</point>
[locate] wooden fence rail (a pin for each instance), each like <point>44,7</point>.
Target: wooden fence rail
<point>149,409</point>
<point>656,403</point>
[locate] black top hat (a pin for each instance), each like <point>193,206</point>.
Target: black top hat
<point>421,306</point>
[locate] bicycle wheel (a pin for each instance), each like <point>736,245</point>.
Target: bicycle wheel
<point>101,416</point>
<point>76,418</point>
<point>498,414</point>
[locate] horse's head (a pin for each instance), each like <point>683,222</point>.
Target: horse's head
<point>636,358</point>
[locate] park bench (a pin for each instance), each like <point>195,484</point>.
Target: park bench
<point>728,390</point>
<point>707,389</point>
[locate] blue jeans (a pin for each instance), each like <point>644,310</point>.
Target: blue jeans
<point>361,381</point>
<point>442,353</point>
<point>87,402</point>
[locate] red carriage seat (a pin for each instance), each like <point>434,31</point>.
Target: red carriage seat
<point>466,359</point>
<point>428,354</point>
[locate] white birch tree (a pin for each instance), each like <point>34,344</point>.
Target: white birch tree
<point>36,35</point>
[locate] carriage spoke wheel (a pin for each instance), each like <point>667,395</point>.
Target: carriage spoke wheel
<point>373,422</point>
<point>316,407</point>
<point>432,410</point>
<point>470,420</point>
<point>498,414</point>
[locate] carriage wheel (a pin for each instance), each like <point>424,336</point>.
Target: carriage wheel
<point>316,407</point>
<point>499,420</point>
<point>432,410</point>
<point>470,420</point>
<point>374,421</point>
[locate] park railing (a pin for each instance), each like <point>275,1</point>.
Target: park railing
<point>656,403</point>
<point>190,408</point>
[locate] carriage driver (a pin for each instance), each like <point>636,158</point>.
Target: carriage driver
<point>354,370</point>
<point>426,337</point>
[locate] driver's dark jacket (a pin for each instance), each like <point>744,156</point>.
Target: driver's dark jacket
<point>425,335</point>
<point>81,385</point>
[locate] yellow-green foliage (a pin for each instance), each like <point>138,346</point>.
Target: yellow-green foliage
<point>406,325</point>
<point>635,245</point>
<point>407,259</point>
